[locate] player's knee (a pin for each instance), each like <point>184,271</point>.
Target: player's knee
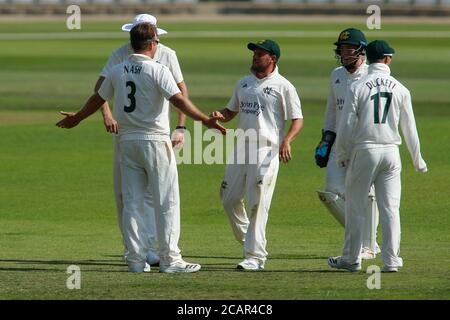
<point>336,189</point>
<point>225,194</point>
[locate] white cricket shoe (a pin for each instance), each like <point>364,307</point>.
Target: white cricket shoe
<point>180,267</point>
<point>152,258</point>
<point>387,269</point>
<point>338,263</point>
<point>139,267</point>
<point>367,254</point>
<point>250,264</point>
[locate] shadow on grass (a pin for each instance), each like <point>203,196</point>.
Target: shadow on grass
<point>271,257</point>
<point>206,267</point>
<point>63,263</point>
<point>123,270</point>
<point>104,263</point>
<point>29,269</point>
<point>66,262</point>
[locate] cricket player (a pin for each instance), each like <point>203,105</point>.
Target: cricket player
<point>350,49</point>
<point>141,88</point>
<point>264,100</point>
<point>167,57</point>
<point>367,145</point>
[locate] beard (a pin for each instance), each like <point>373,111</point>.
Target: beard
<point>352,64</point>
<point>258,68</point>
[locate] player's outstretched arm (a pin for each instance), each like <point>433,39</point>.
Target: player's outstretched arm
<point>178,134</point>
<point>71,120</point>
<point>110,123</point>
<point>177,137</point>
<point>185,93</point>
<point>188,108</point>
<point>225,114</point>
<point>285,148</point>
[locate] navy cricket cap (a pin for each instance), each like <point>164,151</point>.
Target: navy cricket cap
<point>378,49</point>
<point>267,45</point>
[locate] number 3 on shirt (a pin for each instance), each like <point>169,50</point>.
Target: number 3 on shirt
<point>376,105</point>
<point>130,96</point>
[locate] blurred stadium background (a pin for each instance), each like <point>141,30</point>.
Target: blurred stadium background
<point>208,7</point>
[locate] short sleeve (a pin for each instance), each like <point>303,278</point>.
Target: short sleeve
<point>106,90</point>
<point>116,57</point>
<point>293,108</point>
<point>174,67</point>
<point>233,103</point>
<point>166,83</point>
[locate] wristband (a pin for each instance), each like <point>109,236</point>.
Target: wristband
<point>180,127</point>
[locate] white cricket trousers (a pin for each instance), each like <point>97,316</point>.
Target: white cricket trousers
<point>148,203</point>
<point>335,183</point>
<point>380,167</point>
<point>150,166</point>
<point>258,182</point>
<point>335,179</point>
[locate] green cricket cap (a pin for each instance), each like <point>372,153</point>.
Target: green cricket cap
<point>267,45</point>
<point>378,49</point>
<point>351,36</point>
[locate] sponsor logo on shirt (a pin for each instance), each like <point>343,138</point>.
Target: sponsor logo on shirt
<point>251,108</point>
<point>268,90</point>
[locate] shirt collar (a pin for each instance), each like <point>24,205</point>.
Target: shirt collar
<point>379,68</point>
<point>139,57</point>
<point>269,76</point>
<point>131,52</point>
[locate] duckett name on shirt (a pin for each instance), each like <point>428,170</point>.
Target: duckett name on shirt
<point>381,82</point>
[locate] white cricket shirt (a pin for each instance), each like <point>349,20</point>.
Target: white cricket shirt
<point>373,110</point>
<point>141,89</point>
<point>163,55</point>
<point>265,104</point>
<point>340,82</point>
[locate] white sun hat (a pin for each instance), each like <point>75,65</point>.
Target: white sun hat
<point>140,18</point>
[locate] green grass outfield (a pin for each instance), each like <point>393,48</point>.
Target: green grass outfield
<point>56,200</point>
